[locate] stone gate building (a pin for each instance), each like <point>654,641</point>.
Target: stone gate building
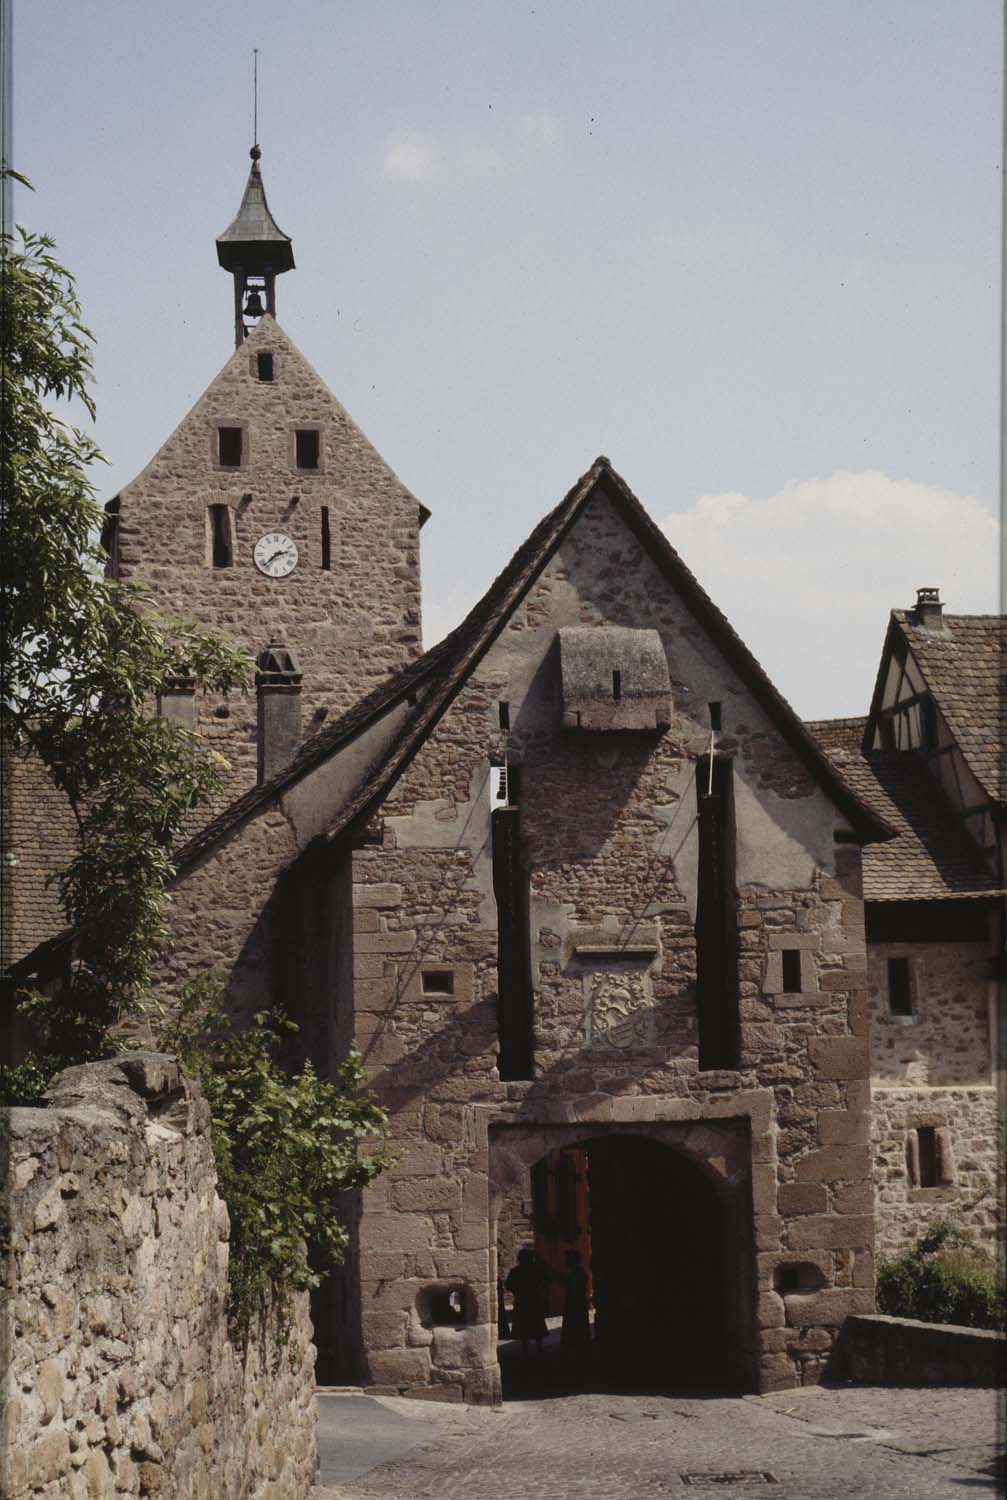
<point>578,884</point>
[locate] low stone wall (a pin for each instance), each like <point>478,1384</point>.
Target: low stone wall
<point>120,1375</point>
<point>878,1350</point>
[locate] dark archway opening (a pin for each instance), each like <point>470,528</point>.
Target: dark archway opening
<point>661,1259</point>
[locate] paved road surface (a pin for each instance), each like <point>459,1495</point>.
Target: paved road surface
<point>837,1444</point>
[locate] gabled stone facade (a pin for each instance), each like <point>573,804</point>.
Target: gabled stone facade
<point>364,888</point>
<point>349,610</point>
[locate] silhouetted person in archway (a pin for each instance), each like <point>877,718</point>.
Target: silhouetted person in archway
<point>575,1338</point>
<point>527,1285</point>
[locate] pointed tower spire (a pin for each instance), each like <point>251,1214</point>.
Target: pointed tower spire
<point>255,250</point>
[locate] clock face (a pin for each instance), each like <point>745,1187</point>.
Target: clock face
<point>275,554</point>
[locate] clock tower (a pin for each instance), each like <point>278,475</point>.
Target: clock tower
<point>269,514</point>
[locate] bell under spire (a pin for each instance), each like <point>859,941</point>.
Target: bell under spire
<point>255,250</point>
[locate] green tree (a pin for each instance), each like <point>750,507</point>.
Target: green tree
<point>286,1147</point>
<point>82,658</point>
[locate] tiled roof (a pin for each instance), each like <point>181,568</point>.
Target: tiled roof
<point>838,734</point>
<point>930,857</point>
<point>43,840</point>
<point>964,667</point>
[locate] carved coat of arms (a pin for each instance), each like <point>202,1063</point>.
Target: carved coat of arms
<point>619,1011</point>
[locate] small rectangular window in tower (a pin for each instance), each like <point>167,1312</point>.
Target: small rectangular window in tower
<point>504,711</point>
<point>926,1136</point>
<point>900,1002</point>
<point>220,539</point>
<point>306,446</point>
<point>264,365</point>
<point>326,540</point>
<point>229,447</point>
<point>715,717</point>
<point>617,686</point>
<point>791,971</point>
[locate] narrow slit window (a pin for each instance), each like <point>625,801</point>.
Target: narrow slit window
<point>326,540</point>
<point>221,537</point>
<point>515,996</point>
<point>306,447</point>
<point>791,971</point>
<point>264,365</point>
<point>504,715</point>
<point>716,918</point>
<point>616,685</point>
<point>230,447</point>
<point>438,982</point>
<point>900,1001</point>
<point>926,1136</point>
<point>715,717</point>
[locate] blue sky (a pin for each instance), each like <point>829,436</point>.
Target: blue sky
<point>748,250</point>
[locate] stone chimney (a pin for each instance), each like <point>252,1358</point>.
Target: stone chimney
<point>929,609</point>
<point>177,699</point>
<point>278,685</point>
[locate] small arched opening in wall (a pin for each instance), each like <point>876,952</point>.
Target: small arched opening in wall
<point>659,1220</point>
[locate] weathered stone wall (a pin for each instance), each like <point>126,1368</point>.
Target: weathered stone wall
<point>876,1350</point>
<point>349,626</point>
<point>609,829</point>
<point>969,1144</point>
<point>946,1040</point>
<point>122,1379</point>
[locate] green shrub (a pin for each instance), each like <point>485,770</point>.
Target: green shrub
<point>945,1278</point>
<point>287,1149</point>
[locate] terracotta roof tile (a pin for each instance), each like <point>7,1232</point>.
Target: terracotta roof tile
<point>963,664</point>
<point>930,858</point>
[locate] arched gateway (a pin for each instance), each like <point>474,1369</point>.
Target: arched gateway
<point>660,1217</point>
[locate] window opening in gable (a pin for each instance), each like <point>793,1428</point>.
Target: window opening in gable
<point>616,685</point>
<point>791,971</point>
<point>715,716</point>
<point>326,540</point>
<point>437,982</point>
<point>264,365</point>
<point>929,1156</point>
<point>221,536</point>
<point>504,712</point>
<point>306,447</point>
<point>899,993</point>
<point>229,447</point>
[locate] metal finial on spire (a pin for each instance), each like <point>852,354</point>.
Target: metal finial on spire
<point>253,247</point>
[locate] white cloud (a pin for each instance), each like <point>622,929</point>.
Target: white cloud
<point>410,156</point>
<point>539,132</point>
<point>807,577</point>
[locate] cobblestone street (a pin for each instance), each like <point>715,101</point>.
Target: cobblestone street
<point>812,1444</point>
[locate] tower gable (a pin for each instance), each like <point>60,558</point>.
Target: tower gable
<point>267,452</point>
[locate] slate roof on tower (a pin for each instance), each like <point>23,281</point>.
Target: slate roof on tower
<point>253,239</point>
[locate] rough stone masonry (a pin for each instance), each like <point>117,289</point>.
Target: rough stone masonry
<point>122,1379</point>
